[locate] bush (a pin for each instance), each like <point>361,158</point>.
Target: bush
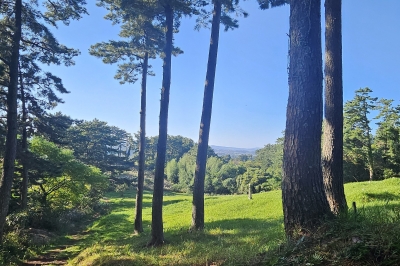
<point>14,246</point>
<point>16,221</point>
<point>121,188</point>
<point>43,218</point>
<point>370,237</point>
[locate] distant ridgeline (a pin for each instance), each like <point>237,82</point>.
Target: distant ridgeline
<point>233,152</point>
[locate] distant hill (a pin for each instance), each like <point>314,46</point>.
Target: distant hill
<point>232,151</point>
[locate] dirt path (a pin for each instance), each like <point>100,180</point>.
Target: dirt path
<point>58,254</point>
<point>55,256</point>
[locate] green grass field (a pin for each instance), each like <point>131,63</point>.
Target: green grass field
<point>238,231</point>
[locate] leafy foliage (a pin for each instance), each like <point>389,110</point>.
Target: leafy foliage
<point>357,130</point>
<point>230,176</point>
<point>387,138</point>
<point>364,150</point>
<point>53,127</point>
<point>59,180</point>
<point>177,146</point>
<point>98,144</point>
<point>266,4</point>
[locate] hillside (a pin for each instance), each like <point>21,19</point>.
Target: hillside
<point>232,151</point>
<point>240,231</point>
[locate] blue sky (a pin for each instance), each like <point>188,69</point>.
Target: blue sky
<point>251,88</point>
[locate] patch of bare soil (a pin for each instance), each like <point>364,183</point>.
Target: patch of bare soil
<point>58,254</point>
<point>52,257</point>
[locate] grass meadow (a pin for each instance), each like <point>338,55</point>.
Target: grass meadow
<point>240,231</point>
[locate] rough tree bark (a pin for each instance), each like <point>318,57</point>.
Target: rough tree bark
<point>11,137</point>
<point>157,234</point>
<point>304,201</point>
<point>142,146</point>
<point>201,160</point>
<point>332,152</point>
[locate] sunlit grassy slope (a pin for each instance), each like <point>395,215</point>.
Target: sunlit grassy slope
<point>238,230</point>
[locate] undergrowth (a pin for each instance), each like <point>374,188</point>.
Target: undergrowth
<point>369,235</point>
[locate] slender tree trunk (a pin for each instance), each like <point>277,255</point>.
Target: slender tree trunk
<point>370,158</point>
<point>157,234</point>
<point>24,157</point>
<point>43,198</point>
<point>201,160</point>
<point>304,201</point>
<point>371,167</point>
<point>142,147</point>
<point>11,138</point>
<point>332,152</point>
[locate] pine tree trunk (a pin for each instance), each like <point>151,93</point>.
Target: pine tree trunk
<point>201,160</point>
<point>304,201</point>
<point>157,234</point>
<point>142,147</point>
<point>371,167</point>
<point>11,138</point>
<point>24,157</point>
<point>332,152</point>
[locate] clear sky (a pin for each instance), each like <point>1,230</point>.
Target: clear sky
<point>251,87</point>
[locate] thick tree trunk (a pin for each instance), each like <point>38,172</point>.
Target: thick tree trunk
<point>11,138</point>
<point>157,234</point>
<point>142,147</point>
<point>24,157</point>
<point>201,160</point>
<point>332,152</point>
<point>304,201</point>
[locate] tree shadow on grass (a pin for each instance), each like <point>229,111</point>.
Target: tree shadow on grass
<point>227,242</point>
<point>230,242</point>
<point>112,261</point>
<point>211,197</point>
<point>169,202</point>
<point>129,204</point>
<point>124,204</point>
<point>384,196</point>
<point>113,228</point>
<point>381,213</point>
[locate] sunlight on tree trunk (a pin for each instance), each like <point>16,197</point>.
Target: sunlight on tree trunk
<point>142,146</point>
<point>332,152</point>
<point>157,234</point>
<point>201,160</point>
<point>304,201</point>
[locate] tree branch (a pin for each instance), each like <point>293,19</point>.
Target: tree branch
<point>5,61</point>
<point>37,45</point>
<point>58,186</point>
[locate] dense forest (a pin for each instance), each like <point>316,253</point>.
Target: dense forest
<point>58,170</point>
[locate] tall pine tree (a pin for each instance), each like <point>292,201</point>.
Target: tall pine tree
<point>11,137</point>
<point>144,40</point>
<point>358,138</point>
<point>304,201</point>
<point>387,137</point>
<point>28,35</point>
<point>332,148</point>
<point>168,14</point>
<point>220,14</point>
